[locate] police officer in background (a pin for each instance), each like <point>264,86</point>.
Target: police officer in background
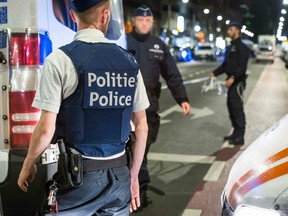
<point>155,60</point>
<point>96,88</point>
<point>235,66</point>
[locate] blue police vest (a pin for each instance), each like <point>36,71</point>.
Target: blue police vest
<point>95,119</point>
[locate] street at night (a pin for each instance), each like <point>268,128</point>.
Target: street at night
<point>144,107</point>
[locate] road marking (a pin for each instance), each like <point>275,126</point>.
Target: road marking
<point>214,171</point>
<point>192,212</point>
<point>227,145</point>
<point>199,113</point>
<point>197,73</point>
<point>199,159</point>
<point>195,113</point>
<point>191,75</point>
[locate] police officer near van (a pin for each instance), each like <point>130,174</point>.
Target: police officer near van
<point>155,60</point>
<point>235,66</point>
<point>90,89</point>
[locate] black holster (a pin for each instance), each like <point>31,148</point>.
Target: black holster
<point>70,168</point>
<point>129,144</point>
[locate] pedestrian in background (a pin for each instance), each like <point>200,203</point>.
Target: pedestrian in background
<point>155,60</point>
<point>90,89</point>
<point>235,66</point>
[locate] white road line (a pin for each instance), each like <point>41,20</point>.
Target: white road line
<point>192,212</point>
<point>227,145</point>
<point>199,159</point>
<point>215,171</point>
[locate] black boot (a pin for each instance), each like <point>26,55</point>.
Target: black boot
<point>237,141</point>
<point>227,138</point>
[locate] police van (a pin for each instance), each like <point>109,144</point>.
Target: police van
<point>29,31</point>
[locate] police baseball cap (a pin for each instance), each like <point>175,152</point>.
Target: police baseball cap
<point>83,5</point>
<point>235,24</point>
<point>143,10</point>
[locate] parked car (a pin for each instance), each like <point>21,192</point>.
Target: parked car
<point>265,53</point>
<point>205,51</point>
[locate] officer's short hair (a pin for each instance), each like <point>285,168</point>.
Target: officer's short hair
<point>80,6</point>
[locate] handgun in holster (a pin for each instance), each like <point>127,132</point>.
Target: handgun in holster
<point>70,168</point>
<point>131,141</point>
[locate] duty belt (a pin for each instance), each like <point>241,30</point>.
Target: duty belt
<point>93,165</point>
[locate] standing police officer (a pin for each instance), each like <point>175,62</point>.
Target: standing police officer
<point>235,66</point>
<point>155,60</point>
<point>95,87</point>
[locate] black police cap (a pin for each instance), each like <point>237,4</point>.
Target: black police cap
<point>235,24</point>
<point>143,10</point>
<point>83,5</point>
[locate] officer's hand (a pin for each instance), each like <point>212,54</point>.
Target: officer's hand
<point>135,195</point>
<point>211,75</point>
<point>229,82</point>
<point>26,176</point>
<point>186,108</point>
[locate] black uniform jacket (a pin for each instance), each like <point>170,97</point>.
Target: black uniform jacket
<point>155,59</point>
<point>236,60</point>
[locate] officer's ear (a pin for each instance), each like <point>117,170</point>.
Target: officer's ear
<point>105,18</point>
<point>73,16</point>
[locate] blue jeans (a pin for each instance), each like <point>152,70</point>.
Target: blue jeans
<point>103,192</point>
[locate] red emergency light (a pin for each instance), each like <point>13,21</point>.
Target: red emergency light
<point>27,54</point>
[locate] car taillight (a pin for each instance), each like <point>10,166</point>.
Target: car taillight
<point>27,54</point>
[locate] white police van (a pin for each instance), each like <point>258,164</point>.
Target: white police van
<point>29,31</point>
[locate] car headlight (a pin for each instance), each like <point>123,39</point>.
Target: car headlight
<point>253,211</point>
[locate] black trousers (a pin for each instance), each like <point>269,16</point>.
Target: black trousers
<point>153,121</point>
<point>235,104</point>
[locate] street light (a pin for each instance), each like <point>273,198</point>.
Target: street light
<point>285,2</point>
<point>283,11</point>
<point>227,22</point>
<point>206,11</point>
<point>197,28</point>
<point>282,19</point>
<point>218,29</point>
<point>185,1</point>
<point>281,23</point>
<point>219,18</point>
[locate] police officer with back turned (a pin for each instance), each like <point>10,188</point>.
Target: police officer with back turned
<point>155,60</point>
<point>235,66</point>
<point>90,89</point>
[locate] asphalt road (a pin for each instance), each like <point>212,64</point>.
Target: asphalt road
<point>186,146</point>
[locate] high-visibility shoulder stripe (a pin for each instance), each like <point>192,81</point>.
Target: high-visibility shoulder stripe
<point>274,158</point>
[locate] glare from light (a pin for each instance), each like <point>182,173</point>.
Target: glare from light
<point>282,38</point>
<point>283,11</point>
<point>175,32</point>
<point>219,18</point>
<point>206,11</point>
<point>282,19</point>
<point>227,22</point>
<point>180,23</point>
<point>285,2</point>
<point>244,27</point>
<point>185,1</point>
<point>197,28</point>
<point>247,211</point>
<point>211,37</point>
<point>218,29</point>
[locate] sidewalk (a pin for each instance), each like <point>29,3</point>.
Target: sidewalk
<point>267,104</point>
